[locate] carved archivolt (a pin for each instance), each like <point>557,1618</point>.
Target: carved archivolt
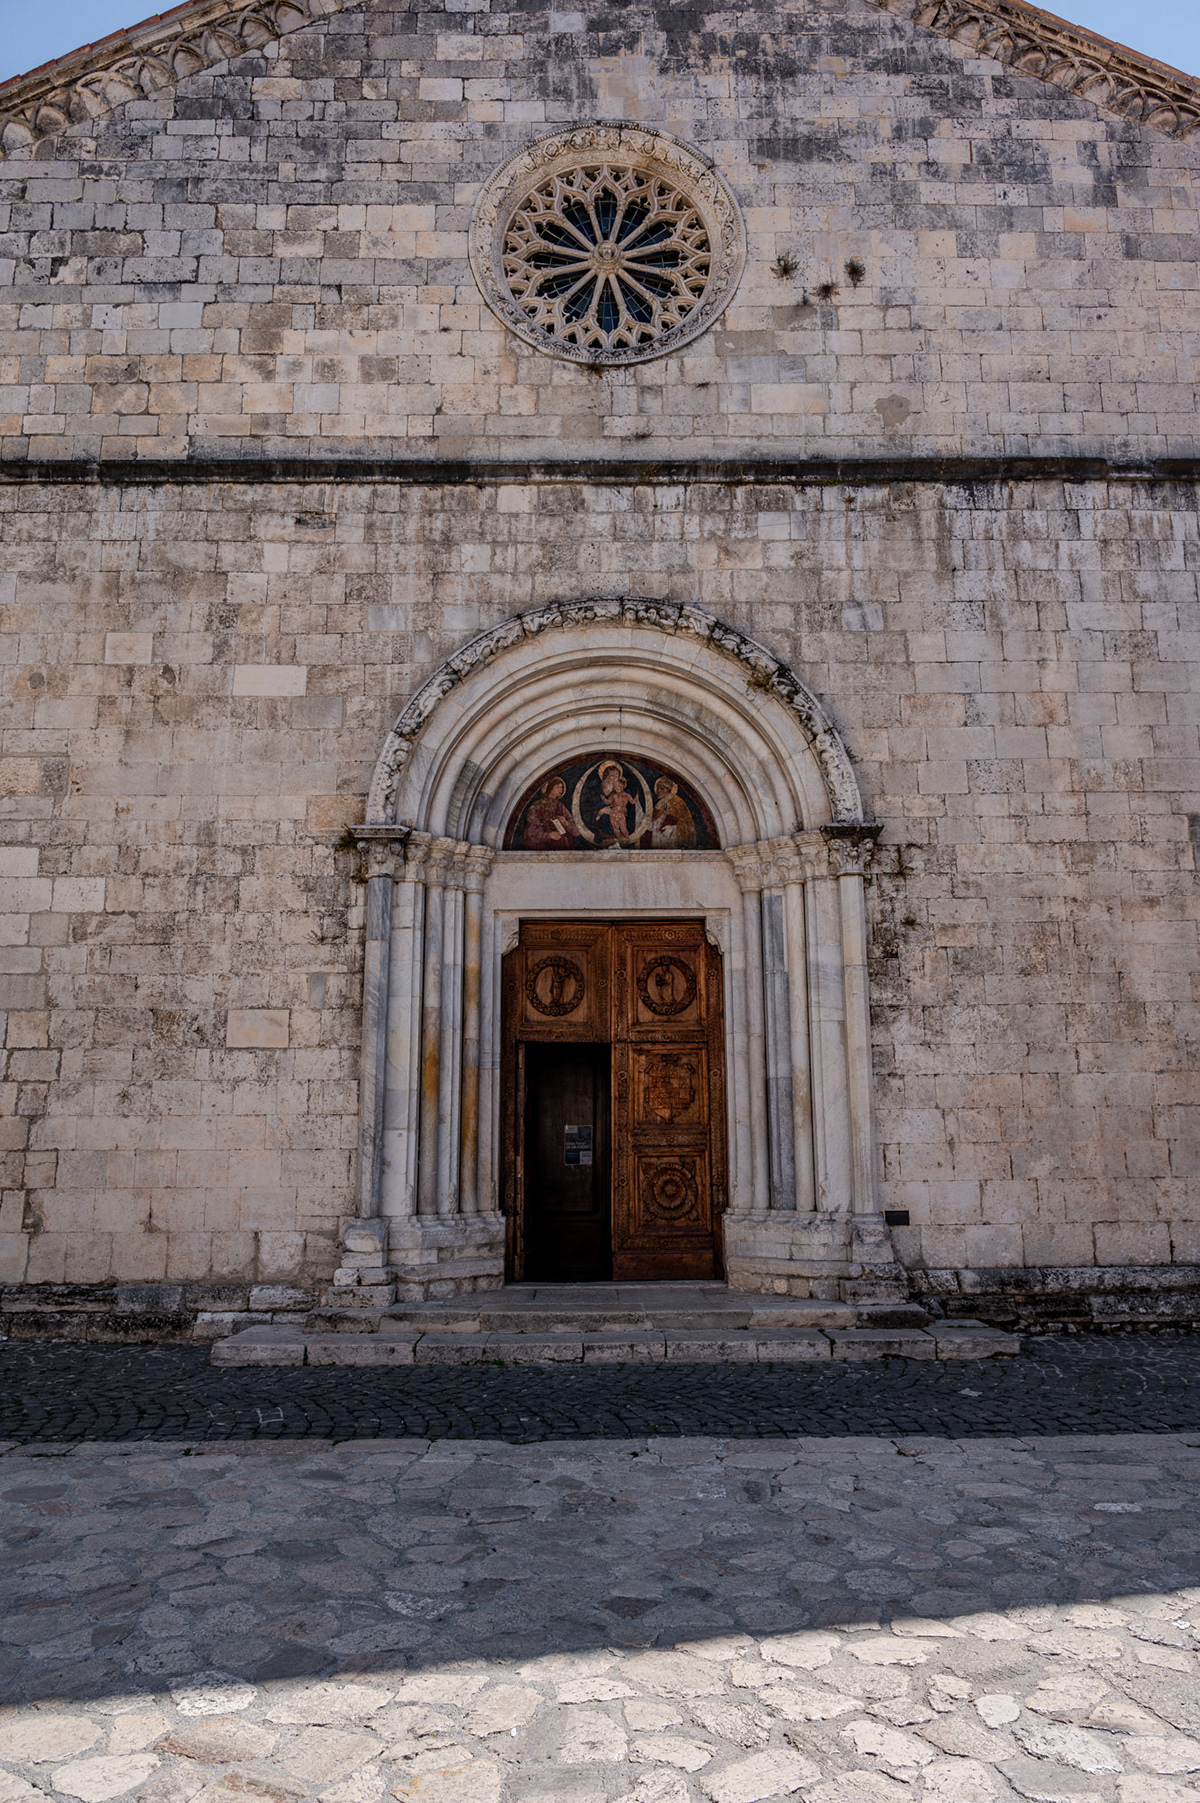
<point>136,63</point>
<point>760,672</point>
<point>607,243</point>
<point>1034,43</point>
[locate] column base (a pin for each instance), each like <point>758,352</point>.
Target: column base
<point>433,1256</point>
<point>842,1258</point>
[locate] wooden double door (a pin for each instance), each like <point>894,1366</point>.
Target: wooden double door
<point>613,1101</point>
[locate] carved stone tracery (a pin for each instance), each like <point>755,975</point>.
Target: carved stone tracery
<point>610,259</point>
<point>607,244</point>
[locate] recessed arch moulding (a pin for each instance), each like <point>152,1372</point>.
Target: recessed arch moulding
<point>783,899</point>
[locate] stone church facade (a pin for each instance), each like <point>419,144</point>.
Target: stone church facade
<point>598,631</point>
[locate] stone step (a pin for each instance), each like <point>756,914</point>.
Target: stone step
<point>586,1308</point>
<point>394,1345</point>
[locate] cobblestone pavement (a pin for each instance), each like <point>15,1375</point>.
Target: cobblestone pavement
<point>670,1621</point>
<point>1117,1384</point>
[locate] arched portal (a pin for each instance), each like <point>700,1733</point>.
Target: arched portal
<point>776,878</point>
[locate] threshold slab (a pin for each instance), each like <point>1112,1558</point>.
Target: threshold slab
<point>664,1343</point>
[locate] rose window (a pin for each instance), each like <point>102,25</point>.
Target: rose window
<point>607,244</point>
<point>607,258</point>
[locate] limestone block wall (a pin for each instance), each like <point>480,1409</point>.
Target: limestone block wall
<point>945,256</point>
<point>198,676</point>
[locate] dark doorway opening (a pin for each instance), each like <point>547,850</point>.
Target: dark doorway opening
<point>568,1184</point>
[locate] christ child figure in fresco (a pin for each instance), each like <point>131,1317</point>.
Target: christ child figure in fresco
<point>548,822</point>
<point>617,801</point>
<point>671,825</point>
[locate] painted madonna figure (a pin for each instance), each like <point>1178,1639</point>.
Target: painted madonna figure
<point>607,803</point>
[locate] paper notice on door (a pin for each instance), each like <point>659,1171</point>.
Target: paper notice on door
<point>578,1145</point>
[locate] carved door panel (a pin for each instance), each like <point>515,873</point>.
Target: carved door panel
<point>668,1130</point>
<point>559,974</point>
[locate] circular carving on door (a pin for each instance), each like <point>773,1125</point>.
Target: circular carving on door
<point>555,986</point>
<point>667,985</point>
<point>670,1193</point>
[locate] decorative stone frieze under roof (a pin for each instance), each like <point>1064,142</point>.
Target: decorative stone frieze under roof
<point>1079,62</point>
<point>132,64</point>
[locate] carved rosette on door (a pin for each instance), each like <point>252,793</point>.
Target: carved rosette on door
<point>651,991</point>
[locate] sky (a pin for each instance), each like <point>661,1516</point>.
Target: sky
<point>33,31</point>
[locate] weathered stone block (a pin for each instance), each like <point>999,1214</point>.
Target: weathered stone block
<point>360,1349</point>
<point>260,1346</point>
<point>881,1342</point>
<point>254,1029</point>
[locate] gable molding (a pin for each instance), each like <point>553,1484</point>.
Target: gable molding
<point>136,64</point>
<point>1078,62</point>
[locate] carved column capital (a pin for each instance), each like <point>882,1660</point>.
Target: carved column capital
<point>851,846</point>
<point>456,865</point>
<point>440,859</point>
<point>747,867</point>
<point>812,853</point>
<point>781,863</point>
<point>383,849</point>
<point>417,859</point>
<point>476,864</point>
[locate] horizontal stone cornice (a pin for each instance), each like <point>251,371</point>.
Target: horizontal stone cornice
<point>135,64</point>
<point>434,472</point>
<point>1076,61</point>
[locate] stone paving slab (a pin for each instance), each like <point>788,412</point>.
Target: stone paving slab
<point>1121,1383</point>
<point>698,1620</point>
<point>713,1344</point>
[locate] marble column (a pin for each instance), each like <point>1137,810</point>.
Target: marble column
<point>827,1022</point>
<point>440,852</point>
<point>748,871</point>
<point>779,864</point>
<point>403,1099</point>
<point>476,865</point>
<point>383,852</point>
<point>419,1134</point>
<point>450,1034</point>
<point>798,1034</point>
<point>850,852</point>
